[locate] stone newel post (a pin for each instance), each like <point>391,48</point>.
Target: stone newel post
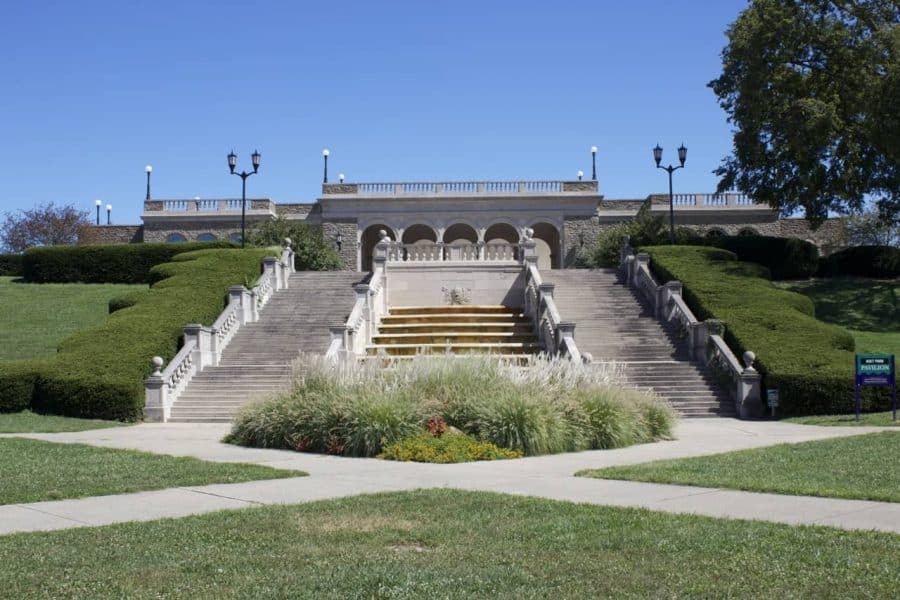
<point>156,405</point>
<point>749,392</point>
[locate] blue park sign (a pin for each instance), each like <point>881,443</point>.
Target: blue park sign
<point>876,370</point>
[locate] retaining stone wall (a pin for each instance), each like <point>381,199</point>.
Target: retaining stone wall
<point>111,234</point>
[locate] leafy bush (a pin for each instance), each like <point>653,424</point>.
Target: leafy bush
<point>810,362</point>
<point>881,262</point>
<point>452,447</point>
<point>786,258</point>
<point>359,410</point>
<point>17,381</point>
<point>10,265</point>
<point>312,252</point>
<point>115,263</point>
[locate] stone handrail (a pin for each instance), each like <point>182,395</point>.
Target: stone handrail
<point>203,346</point>
<point>210,205</point>
<point>557,337</point>
<point>459,188</point>
<point>442,252</point>
<point>706,200</point>
<point>704,338</point>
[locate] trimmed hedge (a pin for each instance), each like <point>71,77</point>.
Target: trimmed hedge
<point>880,262</point>
<point>810,362</point>
<point>99,372</point>
<point>10,265</point>
<point>115,263</point>
<point>786,258</point>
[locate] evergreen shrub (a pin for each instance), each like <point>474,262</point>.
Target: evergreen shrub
<point>10,265</point>
<point>880,262</point>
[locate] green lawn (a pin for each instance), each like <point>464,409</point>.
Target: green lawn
<point>36,317</point>
<point>869,308</point>
<point>883,419</point>
<point>29,422</point>
<point>449,544</point>
<point>32,471</point>
<point>863,467</point>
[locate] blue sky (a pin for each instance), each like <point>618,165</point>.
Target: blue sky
<point>398,91</point>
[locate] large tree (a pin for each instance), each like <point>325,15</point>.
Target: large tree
<point>812,89</point>
<point>44,225</point>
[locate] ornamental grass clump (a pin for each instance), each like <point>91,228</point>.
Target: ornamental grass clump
<point>361,409</point>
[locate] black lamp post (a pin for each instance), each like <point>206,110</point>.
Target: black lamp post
<point>339,240</point>
<point>232,163</point>
<point>109,214</point>
<point>325,154</point>
<point>98,203</point>
<point>580,175</point>
<point>148,169</point>
<point>682,156</point>
<point>594,163</point>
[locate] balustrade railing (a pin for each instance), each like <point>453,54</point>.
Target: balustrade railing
<point>704,338</point>
<point>722,200</point>
<point>481,252</point>
<point>460,187</point>
<point>203,345</point>
<point>206,205</point>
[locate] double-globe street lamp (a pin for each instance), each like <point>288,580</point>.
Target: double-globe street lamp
<point>682,156</point>
<point>232,163</point>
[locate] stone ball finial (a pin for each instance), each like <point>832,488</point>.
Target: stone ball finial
<point>383,236</point>
<point>529,233</point>
<point>587,358</point>
<point>749,357</point>
<point>157,363</point>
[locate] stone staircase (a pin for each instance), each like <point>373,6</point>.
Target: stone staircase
<point>614,324</point>
<point>466,329</point>
<point>258,359</point>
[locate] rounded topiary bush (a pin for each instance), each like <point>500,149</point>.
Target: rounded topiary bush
<point>880,262</point>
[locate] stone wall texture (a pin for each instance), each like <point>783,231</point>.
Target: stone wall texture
<point>111,234</point>
<point>349,246</point>
<point>192,229</point>
<point>294,211</point>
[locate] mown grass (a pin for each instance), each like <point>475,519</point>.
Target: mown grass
<point>860,467</point>
<point>29,422</point>
<point>33,471</point>
<point>36,317</point>
<point>449,544</point>
<point>879,419</point>
<point>868,308</point>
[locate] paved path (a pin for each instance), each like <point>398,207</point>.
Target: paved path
<point>545,476</point>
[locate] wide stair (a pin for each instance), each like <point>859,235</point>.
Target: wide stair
<point>614,325</point>
<point>258,359</point>
<point>459,329</point>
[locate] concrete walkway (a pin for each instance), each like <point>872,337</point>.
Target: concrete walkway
<point>545,477</point>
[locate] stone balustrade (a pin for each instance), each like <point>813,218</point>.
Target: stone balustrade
<point>704,338</point>
<point>726,200</point>
<point>441,252</point>
<point>203,346</point>
<point>208,206</point>
<point>459,188</point>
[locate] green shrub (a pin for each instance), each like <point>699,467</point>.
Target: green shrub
<point>786,258</point>
<point>359,410</point>
<point>115,263</point>
<point>452,447</point>
<point>880,262</point>
<point>312,251</point>
<point>10,265</point>
<point>810,362</point>
<point>17,381</point>
<point>126,300</point>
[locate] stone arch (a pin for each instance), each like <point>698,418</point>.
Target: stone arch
<point>460,233</point>
<point>419,234</point>
<point>501,232</point>
<point>175,238</point>
<point>546,237</point>
<point>208,237</point>
<point>235,237</point>
<point>747,231</point>
<point>714,232</point>
<point>369,237</point>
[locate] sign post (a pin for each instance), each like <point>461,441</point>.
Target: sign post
<point>875,370</point>
<point>772,399</point>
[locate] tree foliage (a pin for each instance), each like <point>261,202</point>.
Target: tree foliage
<point>868,229</point>
<point>312,252</point>
<point>44,225</point>
<point>812,88</point>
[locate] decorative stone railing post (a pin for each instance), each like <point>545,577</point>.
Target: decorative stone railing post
<point>240,294</point>
<point>698,339</point>
<point>669,290</point>
<point>287,258</point>
<point>203,344</point>
<point>156,405</point>
<point>749,392</point>
<point>565,338</point>
<point>269,268</point>
<point>626,249</point>
<point>529,247</point>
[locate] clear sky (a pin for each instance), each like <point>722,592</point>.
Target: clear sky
<point>398,91</point>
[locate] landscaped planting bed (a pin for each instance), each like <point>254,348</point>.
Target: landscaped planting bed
<point>360,410</point>
<point>99,372</point>
<point>863,467</point>
<point>449,544</point>
<point>33,471</point>
<point>810,362</point>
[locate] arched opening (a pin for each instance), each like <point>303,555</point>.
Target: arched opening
<point>499,233</point>
<point>207,237</point>
<point>714,233</point>
<point>419,234</point>
<point>747,231</point>
<point>546,238</point>
<point>174,238</point>
<point>460,240</point>
<point>371,237</point>
<point>235,237</point>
